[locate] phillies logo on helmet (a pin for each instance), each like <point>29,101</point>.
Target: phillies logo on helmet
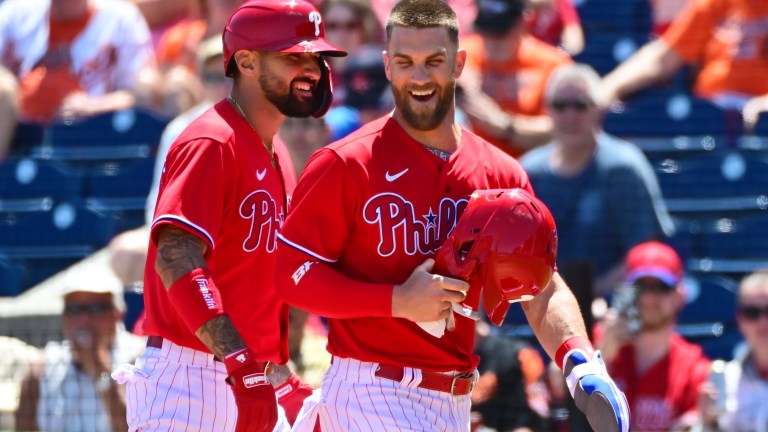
<point>261,210</point>
<point>400,227</point>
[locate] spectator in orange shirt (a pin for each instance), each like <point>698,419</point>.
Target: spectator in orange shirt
<point>503,83</point>
<point>726,39</point>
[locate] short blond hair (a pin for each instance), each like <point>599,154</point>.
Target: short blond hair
<point>575,72</point>
<point>753,281</point>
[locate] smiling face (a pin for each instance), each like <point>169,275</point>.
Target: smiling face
<point>423,65</point>
<point>289,80</point>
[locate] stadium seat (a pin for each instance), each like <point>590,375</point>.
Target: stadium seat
<point>668,115</point>
<point>605,52</point>
<point>708,318</point>
<point>65,224</point>
<point>714,182</point>
<point>761,128</point>
<point>115,135</point>
<point>614,17</point>
<point>12,277</point>
<point>26,136</point>
<point>735,238</point>
<point>127,179</point>
<point>48,241</point>
<point>28,178</point>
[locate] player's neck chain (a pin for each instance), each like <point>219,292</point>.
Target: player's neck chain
<point>442,154</point>
<point>240,111</point>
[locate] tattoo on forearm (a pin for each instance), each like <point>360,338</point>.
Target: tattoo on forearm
<point>178,253</point>
<point>220,336</point>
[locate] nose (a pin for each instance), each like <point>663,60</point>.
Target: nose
<point>311,66</point>
<point>420,75</point>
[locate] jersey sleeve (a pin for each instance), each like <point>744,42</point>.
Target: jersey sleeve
<point>191,188</point>
<point>313,238</point>
<point>691,31</point>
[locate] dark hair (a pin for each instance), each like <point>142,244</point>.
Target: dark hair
<point>424,14</point>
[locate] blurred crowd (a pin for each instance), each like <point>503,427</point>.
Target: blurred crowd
<point>522,90</point>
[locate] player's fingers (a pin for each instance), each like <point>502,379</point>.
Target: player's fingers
<point>451,321</point>
<point>452,284</point>
<point>426,266</point>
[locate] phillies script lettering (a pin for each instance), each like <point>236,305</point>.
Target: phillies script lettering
<point>400,227</point>
<point>262,212</point>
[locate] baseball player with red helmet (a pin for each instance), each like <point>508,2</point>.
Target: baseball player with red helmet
<point>216,356</point>
<point>368,215</point>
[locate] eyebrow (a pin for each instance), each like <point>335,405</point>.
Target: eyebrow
<point>429,57</point>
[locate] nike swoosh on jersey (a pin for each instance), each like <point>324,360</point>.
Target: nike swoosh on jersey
<point>393,177</point>
<point>260,174</point>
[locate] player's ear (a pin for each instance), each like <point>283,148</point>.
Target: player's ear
<point>247,62</point>
<point>387,69</point>
<point>461,60</point>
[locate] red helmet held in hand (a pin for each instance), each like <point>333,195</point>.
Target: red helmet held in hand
<point>289,26</point>
<point>505,243</point>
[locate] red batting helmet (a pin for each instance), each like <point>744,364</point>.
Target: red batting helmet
<point>505,243</point>
<point>290,26</point>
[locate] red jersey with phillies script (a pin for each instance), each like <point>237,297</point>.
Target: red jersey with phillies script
<point>367,211</point>
<point>218,183</point>
<point>667,390</point>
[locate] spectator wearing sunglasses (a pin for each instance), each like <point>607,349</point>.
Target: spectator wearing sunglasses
<point>69,387</point>
<point>746,376</point>
<point>660,372</point>
<point>602,191</point>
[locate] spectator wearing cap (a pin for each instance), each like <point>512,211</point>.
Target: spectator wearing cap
<point>502,86</point>
<point>746,376</point>
<point>660,372</point>
<point>70,388</point>
<point>602,191</point>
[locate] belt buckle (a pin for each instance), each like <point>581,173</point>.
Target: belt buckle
<point>464,375</point>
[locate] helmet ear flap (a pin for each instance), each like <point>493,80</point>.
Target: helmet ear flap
<point>494,303</point>
<point>454,261</point>
<point>323,89</point>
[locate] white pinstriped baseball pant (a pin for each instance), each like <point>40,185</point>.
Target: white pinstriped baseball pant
<point>352,398</point>
<point>180,389</point>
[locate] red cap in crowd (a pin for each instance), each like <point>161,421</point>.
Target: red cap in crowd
<point>654,259</point>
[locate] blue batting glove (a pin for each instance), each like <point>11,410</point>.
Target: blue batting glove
<point>595,393</point>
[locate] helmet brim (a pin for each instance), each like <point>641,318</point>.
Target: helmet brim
<point>319,45</point>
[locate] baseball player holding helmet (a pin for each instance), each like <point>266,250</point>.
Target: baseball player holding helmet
<point>368,215</point>
<point>215,358</point>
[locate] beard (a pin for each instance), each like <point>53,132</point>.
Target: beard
<point>424,118</point>
<point>281,94</point>
<point>657,320</point>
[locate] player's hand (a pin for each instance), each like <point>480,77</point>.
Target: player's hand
<point>291,395</point>
<point>254,394</point>
<point>595,393</point>
<point>427,297</point>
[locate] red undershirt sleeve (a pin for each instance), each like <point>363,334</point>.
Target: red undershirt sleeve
<point>314,237</point>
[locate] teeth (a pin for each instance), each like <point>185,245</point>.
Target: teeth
<point>421,93</point>
<point>302,86</point>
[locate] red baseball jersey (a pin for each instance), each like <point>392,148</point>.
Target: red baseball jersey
<point>667,390</point>
<point>368,210</point>
<point>218,183</point>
